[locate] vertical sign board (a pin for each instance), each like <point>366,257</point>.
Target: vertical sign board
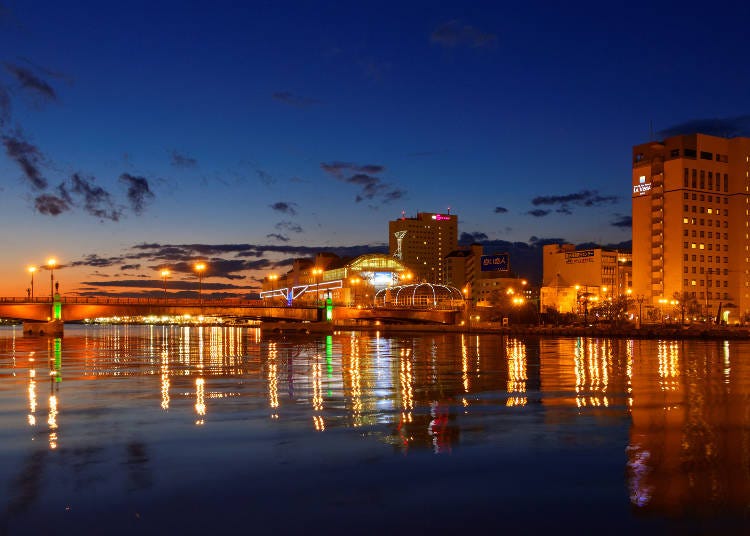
<point>495,263</point>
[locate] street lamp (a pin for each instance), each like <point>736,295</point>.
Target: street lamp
<point>32,269</point>
<point>51,265</point>
<point>200,267</point>
<point>355,281</point>
<point>316,272</point>
<point>273,278</point>
<point>165,275</point>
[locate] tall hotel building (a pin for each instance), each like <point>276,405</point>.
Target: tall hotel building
<point>691,217</point>
<point>422,243</point>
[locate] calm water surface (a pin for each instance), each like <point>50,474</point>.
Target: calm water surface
<point>122,429</point>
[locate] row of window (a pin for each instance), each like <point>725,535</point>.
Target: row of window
<point>693,153</point>
<point>703,198</point>
<point>709,246</point>
<point>704,210</point>
<point>701,270</point>
<point>718,259</point>
<point>690,177</point>
<point>707,295</point>
<point>695,221</point>
<point>702,233</point>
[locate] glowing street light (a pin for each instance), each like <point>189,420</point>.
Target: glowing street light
<point>32,269</point>
<point>51,263</point>
<point>200,267</point>
<point>165,275</point>
<point>355,281</point>
<point>316,272</point>
<point>273,278</point>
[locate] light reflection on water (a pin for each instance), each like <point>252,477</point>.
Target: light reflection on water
<point>649,430</point>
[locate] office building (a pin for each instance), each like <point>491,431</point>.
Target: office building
<point>422,242</point>
<point>691,239</point>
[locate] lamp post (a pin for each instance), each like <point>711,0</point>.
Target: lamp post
<point>640,299</point>
<point>32,269</point>
<point>316,272</point>
<point>51,265</point>
<point>273,278</point>
<point>355,281</point>
<point>164,275</point>
<point>200,267</point>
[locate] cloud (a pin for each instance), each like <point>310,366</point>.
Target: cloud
<point>454,34</point>
<point>182,161</point>
<point>564,210</point>
<point>31,82</point>
<point>4,107</point>
<point>138,191</point>
<point>130,267</point>
<point>285,207</point>
<point>29,159</point>
<point>291,99</point>
<point>469,238</point>
<point>726,127</point>
<point>288,226</point>
<point>96,200</point>
<point>51,205</point>
<point>622,222</point>
<point>265,177</point>
<point>586,198</point>
<point>279,237</point>
<point>500,210</point>
<point>538,212</point>
<point>364,177</point>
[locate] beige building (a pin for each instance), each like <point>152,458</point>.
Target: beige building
<point>571,274</point>
<point>422,242</point>
<point>690,222</point>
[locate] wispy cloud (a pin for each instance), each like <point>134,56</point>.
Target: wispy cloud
<point>31,82</point>
<point>279,237</point>
<point>298,101</point>
<point>469,238</point>
<point>586,198</point>
<point>454,34</point>
<point>538,213</point>
<point>182,160</point>
<point>623,222</point>
<point>288,226</point>
<point>727,127</point>
<point>139,193</point>
<point>364,177</point>
<point>285,207</point>
<point>51,205</point>
<point>29,159</point>
<point>4,107</point>
<point>96,200</point>
<point>500,210</point>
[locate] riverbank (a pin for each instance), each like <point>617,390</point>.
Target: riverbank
<point>625,332</point>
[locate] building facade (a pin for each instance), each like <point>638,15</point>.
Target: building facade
<point>570,275</point>
<point>690,223</point>
<point>422,242</point>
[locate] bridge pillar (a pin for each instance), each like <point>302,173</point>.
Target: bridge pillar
<point>54,328</point>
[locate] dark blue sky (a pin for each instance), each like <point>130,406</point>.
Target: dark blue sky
<point>309,124</point>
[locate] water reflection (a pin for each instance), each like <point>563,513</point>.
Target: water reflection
<point>684,405</point>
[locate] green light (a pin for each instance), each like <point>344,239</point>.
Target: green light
<point>58,359</point>
<point>329,309</point>
<point>329,355</point>
<point>57,308</point>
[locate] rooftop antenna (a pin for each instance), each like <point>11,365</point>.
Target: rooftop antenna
<point>449,210</point>
<point>403,214</point>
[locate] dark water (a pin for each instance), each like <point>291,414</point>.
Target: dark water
<point>173,430</point>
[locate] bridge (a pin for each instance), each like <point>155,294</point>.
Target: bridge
<point>76,309</point>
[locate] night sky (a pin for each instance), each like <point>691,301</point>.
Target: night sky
<point>246,135</point>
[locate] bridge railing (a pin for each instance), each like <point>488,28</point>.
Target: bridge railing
<point>103,300</point>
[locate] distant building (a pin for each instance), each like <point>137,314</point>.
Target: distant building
<point>570,275</point>
<point>690,204</point>
<point>423,242</point>
<point>485,279</point>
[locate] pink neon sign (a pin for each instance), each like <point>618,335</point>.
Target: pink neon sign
<point>440,217</point>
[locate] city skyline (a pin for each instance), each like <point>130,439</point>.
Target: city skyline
<point>246,136</point>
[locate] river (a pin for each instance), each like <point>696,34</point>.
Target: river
<point>167,429</point>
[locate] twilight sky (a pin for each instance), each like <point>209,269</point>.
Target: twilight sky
<point>246,135</point>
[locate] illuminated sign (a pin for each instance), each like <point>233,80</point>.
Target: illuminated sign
<point>440,217</point>
<point>495,263</point>
<point>577,257</point>
<point>642,187</point>
<point>381,279</point>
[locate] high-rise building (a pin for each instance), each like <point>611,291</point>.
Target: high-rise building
<point>691,238</point>
<point>421,243</point>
